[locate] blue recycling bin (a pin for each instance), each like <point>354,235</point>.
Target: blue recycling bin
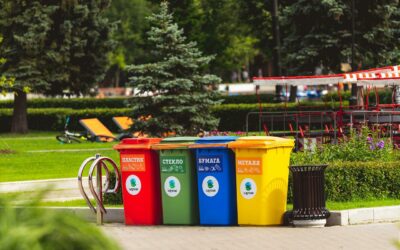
<point>215,164</point>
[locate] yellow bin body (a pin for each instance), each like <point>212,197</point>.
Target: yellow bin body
<point>262,172</point>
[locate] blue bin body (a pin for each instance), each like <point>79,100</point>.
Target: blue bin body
<point>216,182</point>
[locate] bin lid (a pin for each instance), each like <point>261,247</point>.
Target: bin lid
<point>213,142</point>
<point>261,142</point>
<point>179,139</point>
<point>137,143</point>
<point>175,142</point>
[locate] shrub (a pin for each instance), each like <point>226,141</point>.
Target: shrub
<point>232,116</point>
<point>385,96</point>
<point>238,99</point>
<point>347,181</point>
<point>73,103</point>
<point>30,227</point>
<point>361,146</point>
<point>54,119</point>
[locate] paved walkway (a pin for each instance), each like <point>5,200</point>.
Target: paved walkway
<point>371,236</point>
<point>61,189</point>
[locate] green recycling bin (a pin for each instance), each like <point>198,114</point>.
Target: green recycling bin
<point>178,181</point>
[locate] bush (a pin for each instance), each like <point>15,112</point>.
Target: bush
<point>385,96</point>
<point>30,227</point>
<point>73,103</point>
<point>123,102</point>
<point>232,116</point>
<point>54,119</point>
<point>238,99</point>
<point>361,146</point>
<point>347,181</point>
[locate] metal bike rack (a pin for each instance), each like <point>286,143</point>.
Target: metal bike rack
<point>98,162</point>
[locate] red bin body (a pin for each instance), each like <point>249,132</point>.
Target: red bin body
<point>141,190</point>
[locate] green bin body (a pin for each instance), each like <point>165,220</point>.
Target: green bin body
<point>179,182</point>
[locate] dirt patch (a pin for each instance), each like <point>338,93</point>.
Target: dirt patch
<point>7,151</point>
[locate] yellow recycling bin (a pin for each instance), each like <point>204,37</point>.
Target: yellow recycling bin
<point>262,172</point>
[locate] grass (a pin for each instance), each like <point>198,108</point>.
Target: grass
<point>24,164</point>
<point>330,205</point>
<point>70,203</point>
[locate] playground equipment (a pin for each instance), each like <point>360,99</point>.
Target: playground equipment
<point>325,126</point>
<point>98,163</point>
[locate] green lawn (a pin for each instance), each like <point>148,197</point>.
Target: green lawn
<point>330,205</point>
<point>26,164</point>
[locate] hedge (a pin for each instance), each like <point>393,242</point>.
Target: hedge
<point>385,96</point>
<point>347,181</point>
<point>54,119</point>
<point>120,102</point>
<point>73,103</point>
<point>232,116</point>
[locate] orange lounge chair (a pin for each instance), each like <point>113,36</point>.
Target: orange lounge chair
<point>97,129</point>
<point>124,123</point>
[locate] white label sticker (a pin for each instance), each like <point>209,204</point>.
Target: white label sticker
<point>210,186</point>
<point>133,185</point>
<point>248,188</point>
<point>172,186</point>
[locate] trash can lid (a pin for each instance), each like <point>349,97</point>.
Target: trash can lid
<point>137,143</point>
<point>261,142</point>
<point>217,139</point>
<point>175,142</point>
<point>213,142</point>
<point>179,139</point>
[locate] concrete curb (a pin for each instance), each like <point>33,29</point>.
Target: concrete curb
<point>364,216</point>
<point>113,215</point>
<point>54,184</point>
<point>337,218</point>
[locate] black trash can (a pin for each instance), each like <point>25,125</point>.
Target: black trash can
<point>309,195</point>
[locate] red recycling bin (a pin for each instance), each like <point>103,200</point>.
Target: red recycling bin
<point>141,190</point>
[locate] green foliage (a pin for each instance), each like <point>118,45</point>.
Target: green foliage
<point>349,181</point>
<point>80,40</point>
<point>120,102</point>
<point>130,32</point>
<point>181,93</point>
<point>232,116</point>
<point>355,148</point>
<point>73,103</point>
<point>25,26</point>
<point>319,32</point>
<point>30,227</point>
<point>54,118</point>
<point>113,199</point>
<point>385,96</point>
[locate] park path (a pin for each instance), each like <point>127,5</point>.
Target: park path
<point>370,236</point>
<point>61,189</point>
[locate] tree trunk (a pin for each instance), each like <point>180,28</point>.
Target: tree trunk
<point>293,93</point>
<point>19,122</point>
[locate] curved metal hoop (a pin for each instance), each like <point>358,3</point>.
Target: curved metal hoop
<point>96,162</point>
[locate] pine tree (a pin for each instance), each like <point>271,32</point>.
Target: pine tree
<point>179,95</point>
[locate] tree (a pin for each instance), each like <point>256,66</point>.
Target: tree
<point>51,46</point>
<point>320,33</point>
<point>24,26</point>
<point>179,94</point>
<point>131,24</point>
<point>81,42</point>
<point>6,83</point>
